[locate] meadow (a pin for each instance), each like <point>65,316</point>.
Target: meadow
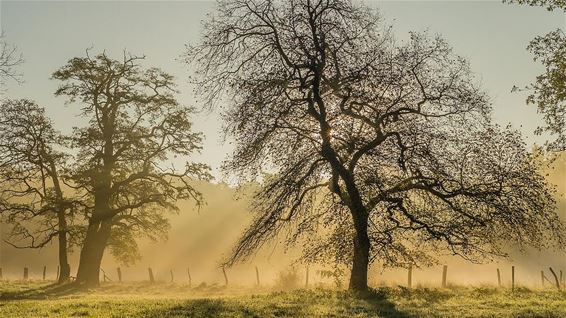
<point>38,299</point>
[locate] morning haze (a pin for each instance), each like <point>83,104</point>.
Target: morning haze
<point>298,176</point>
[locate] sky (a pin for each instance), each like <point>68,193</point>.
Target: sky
<point>493,36</point>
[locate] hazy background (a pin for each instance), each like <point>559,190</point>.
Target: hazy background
<point>493,37</point>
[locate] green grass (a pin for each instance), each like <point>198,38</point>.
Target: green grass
<point>172,300</point>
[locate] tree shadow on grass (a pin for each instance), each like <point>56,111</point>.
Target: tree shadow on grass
<point>428,295</point>
<point>293,304</point>
<point>43,292</point>
<point>381,305</point>
<point>203,308</point>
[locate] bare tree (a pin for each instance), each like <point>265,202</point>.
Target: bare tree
<point>9,60</point>
<point>135,127</point>
<point>386,149</point>
<point>32,198</point>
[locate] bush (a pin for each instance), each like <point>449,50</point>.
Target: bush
<point>287,279</point>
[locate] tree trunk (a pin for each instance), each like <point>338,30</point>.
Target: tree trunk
<point>95,242</point>
<point>65,268</point>
<point>97,235</point>
<point>360,264</point>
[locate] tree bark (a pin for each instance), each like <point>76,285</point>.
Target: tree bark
<point>100,223</point>
<point>65,268</point>
<point>360,262</point>
<point>95,242</point>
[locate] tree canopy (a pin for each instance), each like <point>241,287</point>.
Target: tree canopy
<point>548,4</point>
<point>548,91</point>
<point>135,128</point>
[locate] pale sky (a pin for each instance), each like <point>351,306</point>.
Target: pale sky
<point>492,35</point>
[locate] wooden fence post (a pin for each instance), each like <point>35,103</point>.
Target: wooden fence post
<point>555,277</point>
<point>151,278</point>
<point>542,278</point>
<point>189,273</point>
<point>44,271</point>
<point>307,278</point>
<point>410,276</point>
<point>26,276</point>
<point>498,278</point>
<point>119,272</point>
<point>171,271</point>
<point>1,273</point>
<point>58,270</point>
<point>561,278</point>
<point>225,276</point>
<point>104,277</point>
<point>444,272</point>
<point>257,276</point>
<point>512,278</point>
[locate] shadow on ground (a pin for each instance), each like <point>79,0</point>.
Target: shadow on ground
<point>382,306</point>
<point>296,304</point>
<point>43,292</point>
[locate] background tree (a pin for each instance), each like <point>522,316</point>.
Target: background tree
<point>32,195</point>
<point>548,4</point>
<point>548,92</point>
<point>9,60</point>
<point>387,148</point>
<point>135,126</point>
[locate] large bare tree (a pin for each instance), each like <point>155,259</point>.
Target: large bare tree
<point>385,149</point>
<point>32,196</point>
<point>124,162</point>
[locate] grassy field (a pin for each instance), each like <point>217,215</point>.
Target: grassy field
<point>19,299</point>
